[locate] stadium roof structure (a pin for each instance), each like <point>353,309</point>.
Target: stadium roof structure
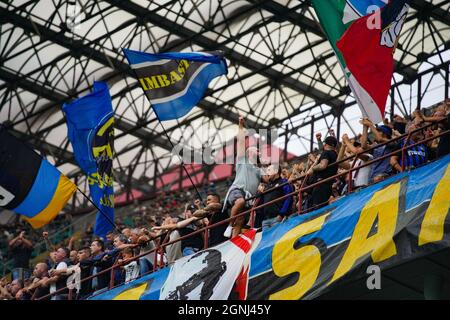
<point>282,73</point>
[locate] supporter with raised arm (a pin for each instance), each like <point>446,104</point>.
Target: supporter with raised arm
<point>319,141</point>
<point>324,169</point>
<point>245,183</point>
<point>380,169</point>
<point>20,248</point>
<point>111,256</point>
<point>413,156</point>
<point>360,177</point>
<point>173,251</point>
<point>185,227</point>
<point>142,238</point>
<point>441,113</point>
<point>214,213</point>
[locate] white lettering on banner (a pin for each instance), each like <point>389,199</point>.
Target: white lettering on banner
<point>5,197</point>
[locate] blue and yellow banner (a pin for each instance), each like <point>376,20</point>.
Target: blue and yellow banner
<point>174,82</point>
<point>392,222</point>
<point>29,184</point>
<point>90,123</point>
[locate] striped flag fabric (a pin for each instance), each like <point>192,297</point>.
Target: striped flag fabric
<point>174,82</point>
<point>371,62</point>
<point>29,184</point>
<point>336,17</point>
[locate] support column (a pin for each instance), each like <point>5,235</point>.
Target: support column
<point>391,118</point>
<point>338,130</point>
<point>419,92</point>
<point>155,174</point>
<point>312,134</point>
<point>447,80</point>
<point>286,140</point>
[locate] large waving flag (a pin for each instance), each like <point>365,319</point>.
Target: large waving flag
<point>335,17</point>
<point>174,82</point>
<point>371,62</point>
<point>90,123</point>
<point>29,184</point>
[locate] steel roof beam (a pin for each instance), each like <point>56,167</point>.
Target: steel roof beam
<point>78,47</point>
<point>147,16</point>
<point>313,27</point>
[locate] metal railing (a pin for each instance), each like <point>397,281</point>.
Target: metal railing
<point>161,244</point>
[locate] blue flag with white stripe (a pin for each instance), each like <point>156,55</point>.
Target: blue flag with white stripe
<point>174,82</point>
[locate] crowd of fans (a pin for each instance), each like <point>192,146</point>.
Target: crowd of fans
<point>256,183</point>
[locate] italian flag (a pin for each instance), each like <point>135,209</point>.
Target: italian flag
<point>355,29</point>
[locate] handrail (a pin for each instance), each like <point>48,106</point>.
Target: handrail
<point>253,209</point>
<point>352,156</point>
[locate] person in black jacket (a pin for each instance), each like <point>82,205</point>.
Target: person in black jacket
<point>277,211</point>
<point>85,271</point>
<point>97,263</point>
<point>323,170</point>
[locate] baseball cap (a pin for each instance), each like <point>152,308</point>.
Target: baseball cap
<point>385,129</point>
<point>331,141</point>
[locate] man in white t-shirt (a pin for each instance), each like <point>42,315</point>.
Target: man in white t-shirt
<point>245,184</point>
<point>57,275</point>
<point>360,177</point>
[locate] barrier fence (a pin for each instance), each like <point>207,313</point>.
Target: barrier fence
<point>161,244</point>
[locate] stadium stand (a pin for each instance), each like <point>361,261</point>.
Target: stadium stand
<point>156,233</point>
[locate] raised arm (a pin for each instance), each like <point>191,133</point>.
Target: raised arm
<point>178,225</point>
<point>341,155</point>
<point>322,165</point>
<point>319,141</point>
<point>13,242</point>
<point>240,144</point>
<point>27,242</point>
<point>48,243</point>
<point>353,149</point>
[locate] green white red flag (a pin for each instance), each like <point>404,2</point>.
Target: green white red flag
<point>363,34</point>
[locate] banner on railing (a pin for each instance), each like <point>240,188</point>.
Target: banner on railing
<point>206,275</point>
<point>400,219</point>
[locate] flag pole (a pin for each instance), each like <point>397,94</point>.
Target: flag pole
<point>168,138</point>
<point>181,159</point>
<point>99,210</point>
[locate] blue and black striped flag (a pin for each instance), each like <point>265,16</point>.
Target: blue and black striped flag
<point>174,82</point>
<point>29,184</point>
